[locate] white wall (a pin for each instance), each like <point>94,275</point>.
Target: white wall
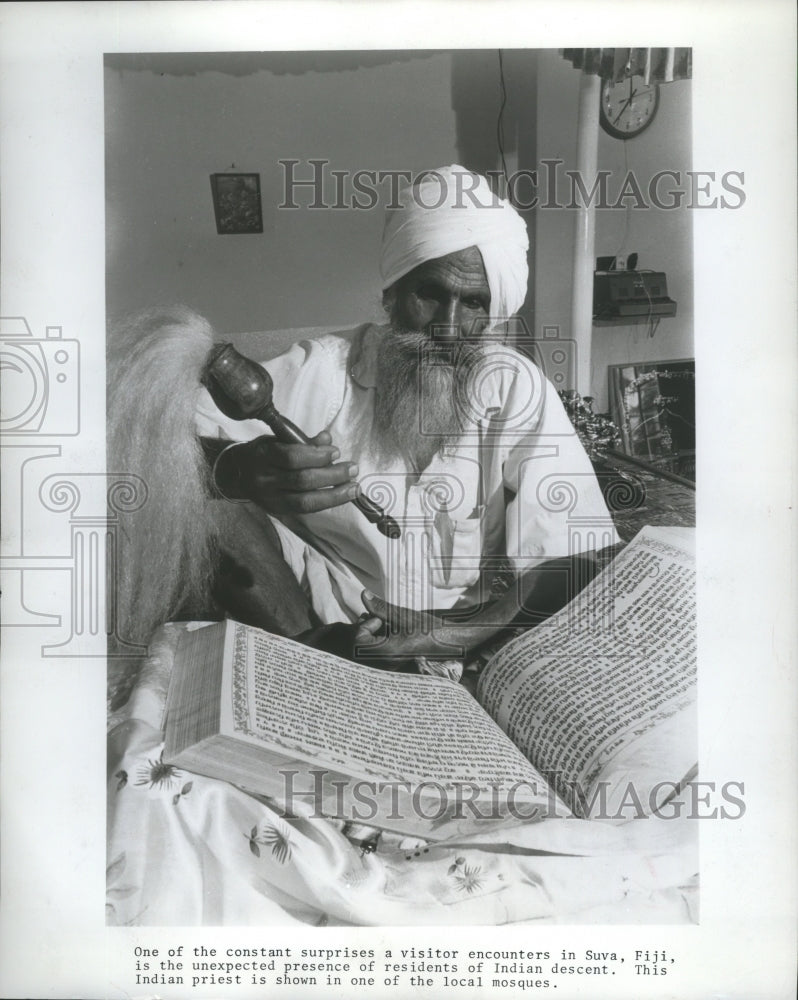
<point>168,131</point>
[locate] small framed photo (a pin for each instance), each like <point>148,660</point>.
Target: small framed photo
<point>236,203</point>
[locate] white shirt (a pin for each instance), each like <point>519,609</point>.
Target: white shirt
<point>517,483</point>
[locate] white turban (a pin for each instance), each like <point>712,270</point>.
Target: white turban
<point>450,209</point>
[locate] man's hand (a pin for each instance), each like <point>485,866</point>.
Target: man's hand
<point>536,594</point>
<point>287,478</point>
<point>387,632</point>
<point>339,639</point>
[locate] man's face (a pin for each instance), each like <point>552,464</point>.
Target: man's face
<point>441,303</point>
<point>447,298</point>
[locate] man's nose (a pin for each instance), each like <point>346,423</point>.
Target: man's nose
<point>447,320</point>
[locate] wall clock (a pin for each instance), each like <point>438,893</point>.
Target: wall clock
<point>628,106</point>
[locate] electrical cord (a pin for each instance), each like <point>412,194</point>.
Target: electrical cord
<point>500,127</point>
<point>652,323</point>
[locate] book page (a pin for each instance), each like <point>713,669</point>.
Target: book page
<point>609,669</point>
<point>363,722</point>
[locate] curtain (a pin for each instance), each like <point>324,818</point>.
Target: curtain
<point>654,65</point>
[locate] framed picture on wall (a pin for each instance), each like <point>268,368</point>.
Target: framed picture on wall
<point>653,406</point>
<point>236,203</point>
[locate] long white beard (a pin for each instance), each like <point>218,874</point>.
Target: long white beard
<point>418,408</point>
<point>167,548</point>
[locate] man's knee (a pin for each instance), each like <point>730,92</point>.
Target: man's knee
<point>254,583</point>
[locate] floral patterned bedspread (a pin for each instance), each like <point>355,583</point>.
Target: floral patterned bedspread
<point>188,850</point>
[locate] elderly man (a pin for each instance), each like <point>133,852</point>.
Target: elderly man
<point>457,435</point>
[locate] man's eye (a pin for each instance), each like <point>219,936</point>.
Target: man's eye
<point>473,303</point>
<point>428,292</point>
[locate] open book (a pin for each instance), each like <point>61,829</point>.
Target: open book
<point>592,713</point>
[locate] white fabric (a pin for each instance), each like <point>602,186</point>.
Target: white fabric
<point>520,444</point>
<point>185,850</point>
<point>451,209</point>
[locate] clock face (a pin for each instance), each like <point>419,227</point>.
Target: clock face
<point>628,107</point>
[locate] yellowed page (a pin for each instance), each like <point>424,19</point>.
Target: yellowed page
<point>361,721</point>
<point>608,671</point>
